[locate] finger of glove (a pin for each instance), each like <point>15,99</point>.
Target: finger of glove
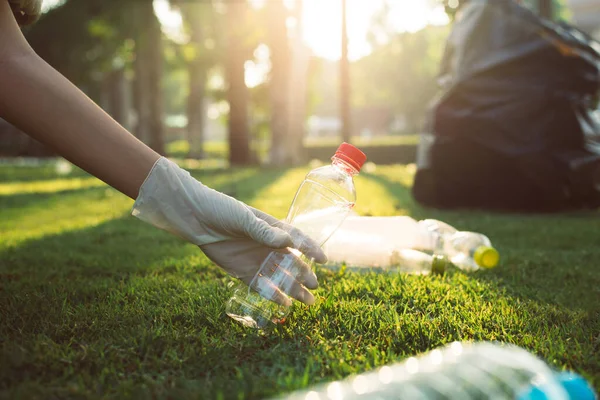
<point>289,272</point>
<point>268,290</point>
<point>279,292</point>
<point>271,220</point>
<point>267,235</point>
<point>299,270</point>
<point>307,246</point>
<point>284,268</point>
<point>301,293</point>
<point>301,241</point>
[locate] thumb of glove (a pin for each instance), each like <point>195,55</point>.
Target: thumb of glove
<point>268,235</point>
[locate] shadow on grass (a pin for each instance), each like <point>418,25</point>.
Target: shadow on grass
<point>39,173</point>
<point>23,174</point>
<point>125,296</point>
<point>240,183</point>
<point>114,250</point>
<point>45,199</point>
<point>118,295</point>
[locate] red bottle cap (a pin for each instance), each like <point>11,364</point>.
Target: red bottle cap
<point>351,155</point>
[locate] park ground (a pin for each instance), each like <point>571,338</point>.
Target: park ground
<point>96,304</point>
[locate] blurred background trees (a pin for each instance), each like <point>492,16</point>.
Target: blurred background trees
<point>251,81</point>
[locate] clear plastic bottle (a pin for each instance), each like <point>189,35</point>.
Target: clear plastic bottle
<point>390,232</point>
<point>433,225</point>
<point>469,251</point>
<point>370,241</point>
<point>378,259</point>
<point>323,200</point>
<point>415,262</point>
<point>459,371</point>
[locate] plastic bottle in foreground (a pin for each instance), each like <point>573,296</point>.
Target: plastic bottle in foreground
<point>370,242</point>
<point>323,200</point>
<point>459,371</point>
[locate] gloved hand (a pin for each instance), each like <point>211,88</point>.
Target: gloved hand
<point>233,235</point>
<point>242,257</point>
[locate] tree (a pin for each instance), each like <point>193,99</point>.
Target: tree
<point>94,42</point>
<point>287,83</point>
<point>323,81</point>
<point>345,79</point>
<point>279,82</point>
<point>202,23</point>
<point>141,99</point>
<point>400,75</point>
<point>298,93</point>
<point>149,70</point>
<point>115,94</point>
<point>196,97</point>
<point>76,40</point>
<point>545,8</point>
<point>551,9</point>
<point>89,43</point>
<point>237,91</point>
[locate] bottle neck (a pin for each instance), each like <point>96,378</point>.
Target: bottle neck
<point>344,166</point>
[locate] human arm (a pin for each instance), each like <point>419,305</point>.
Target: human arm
<point>41,102</point>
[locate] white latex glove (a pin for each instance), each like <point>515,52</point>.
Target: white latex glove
<point>233,235</point>
<point>242,257</point>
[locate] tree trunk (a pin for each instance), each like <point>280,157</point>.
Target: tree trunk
<point>195,109</point>
<point>148,95</point>
<point>155,70</point>
<point>345,80</point>
<point>197,83</point>
<point>140,94</point>
<point>279,84</point>
<point>298,96</point>
<point>545,8</point>
<point>117,98</point>
<point>237,91</point>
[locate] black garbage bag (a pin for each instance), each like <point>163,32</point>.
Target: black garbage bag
<point>515,127</point>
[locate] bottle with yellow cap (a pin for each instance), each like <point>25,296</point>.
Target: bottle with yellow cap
<point>469,251</point>
<point>415,262</point>
<point>402,261</point>
<point>384,242</point>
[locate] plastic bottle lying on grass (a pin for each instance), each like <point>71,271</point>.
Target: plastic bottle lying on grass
<point>404,261</point>
<point>373,242</point>
<point>483,370</point>
<point>469,251</point>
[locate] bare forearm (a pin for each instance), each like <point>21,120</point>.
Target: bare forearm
<point>41,102</point>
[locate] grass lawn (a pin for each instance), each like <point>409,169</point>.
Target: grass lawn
<point>96,304</point>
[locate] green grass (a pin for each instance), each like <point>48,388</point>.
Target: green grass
<point>95,304</point>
